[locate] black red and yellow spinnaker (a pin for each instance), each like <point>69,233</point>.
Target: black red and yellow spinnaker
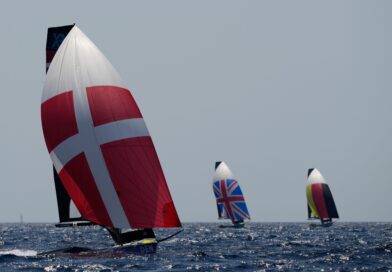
<point>320,200</point>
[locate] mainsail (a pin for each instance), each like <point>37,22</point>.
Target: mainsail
<point>229,198</point>
<point>55,37</point>
<point>320,201</point>
<point>99,143</point>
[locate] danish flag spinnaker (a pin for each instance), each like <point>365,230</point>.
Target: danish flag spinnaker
<point>99,143</point>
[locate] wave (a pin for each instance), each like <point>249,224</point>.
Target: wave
<point>19,252</point>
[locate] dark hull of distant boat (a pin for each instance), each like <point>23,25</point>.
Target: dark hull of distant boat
<point>324,225</point>
<point>235,226</point>
<point>147,248</point>
<point>327,224</point>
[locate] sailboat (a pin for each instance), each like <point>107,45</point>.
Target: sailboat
<point>229,198</point>
<point>319,197</point>
<point>104,161</point>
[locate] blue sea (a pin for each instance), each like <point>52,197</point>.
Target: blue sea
<point>206,247</point>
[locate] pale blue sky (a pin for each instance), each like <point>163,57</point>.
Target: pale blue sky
<point>271,87</point>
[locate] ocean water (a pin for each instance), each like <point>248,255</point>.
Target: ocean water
<point>206,247</point>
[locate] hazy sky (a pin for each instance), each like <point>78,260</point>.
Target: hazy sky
<point>270,87</point>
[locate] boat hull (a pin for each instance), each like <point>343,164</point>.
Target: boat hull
<point>324,225</point>
<point>235,226</point>
<point>147,248</point>
<point>327,224</point>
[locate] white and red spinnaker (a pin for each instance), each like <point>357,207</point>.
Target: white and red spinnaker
<point>99,143</point>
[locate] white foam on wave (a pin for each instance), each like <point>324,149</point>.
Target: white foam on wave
<point>19,252</point>
<point>172,241</point>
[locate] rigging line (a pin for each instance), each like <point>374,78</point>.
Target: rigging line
<point>170,236</point>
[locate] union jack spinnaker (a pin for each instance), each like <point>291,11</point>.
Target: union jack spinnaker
<point>229,198</point>
<point>321,204</point>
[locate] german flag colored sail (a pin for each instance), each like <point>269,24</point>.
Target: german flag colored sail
<point>320,201</point>
<point>99,143</point>
<point>229,198</point>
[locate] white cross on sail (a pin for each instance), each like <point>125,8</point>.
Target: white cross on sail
<point>89,138</point>
<point>99,143</point>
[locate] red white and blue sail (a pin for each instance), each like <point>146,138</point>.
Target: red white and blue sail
<point>99,143</point>
<point>229,198</point>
